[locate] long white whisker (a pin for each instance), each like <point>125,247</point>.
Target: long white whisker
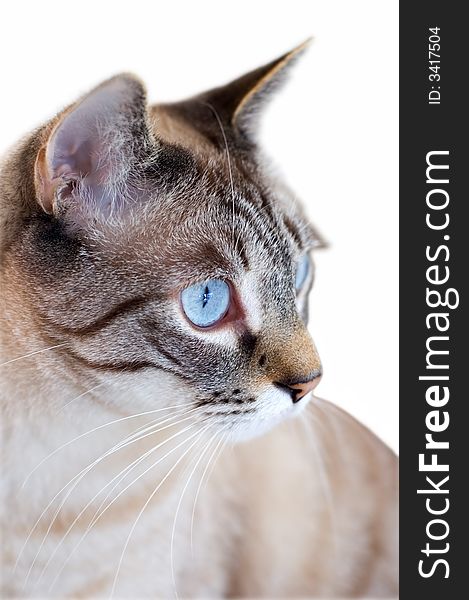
<point>140,476</point>
<point>8,362</point>
<point>199,487</point>
<point>75,480</point>
<point>142,414</point>
<point>324,407</point>
<point>222,129</point>
<point>99,514</point>
<point>83,394</point>
<point>323,475</point>
<point>179,506</point>
<point>149,500</point>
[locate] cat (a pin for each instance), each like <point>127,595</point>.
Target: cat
<point>160,433</point>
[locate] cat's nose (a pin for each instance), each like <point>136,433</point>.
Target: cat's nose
<point>299,389</point>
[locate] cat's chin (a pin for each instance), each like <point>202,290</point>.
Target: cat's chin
<point>273,407</point>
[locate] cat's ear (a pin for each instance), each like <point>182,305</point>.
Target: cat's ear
<point>240,103</point>
<point>89,152</point>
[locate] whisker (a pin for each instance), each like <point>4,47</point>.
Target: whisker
<point>222,129</point>
<point>323,474</point>
<point>8,362</point>
<point>149,500</point>
<point>82,394</point>
<point>206,447</point>
<point>220,445</point>
<point>99,514</point>
<point>140,476</point>
<point>96,429</point>
<point>119,446</point>
<point>325,408</point>
<point>75,480</point>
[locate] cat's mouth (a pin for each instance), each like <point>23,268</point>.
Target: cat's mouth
<point>245,415</point>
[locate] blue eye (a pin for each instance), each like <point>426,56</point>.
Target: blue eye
<point>206,303</point>
<point>302,272</point>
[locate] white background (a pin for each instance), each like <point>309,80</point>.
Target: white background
<point>332,132</point>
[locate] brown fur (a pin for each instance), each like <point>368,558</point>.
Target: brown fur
<point>92,331</point>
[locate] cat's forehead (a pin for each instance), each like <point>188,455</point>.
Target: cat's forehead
<point>212,215</point>
<point>214,184</point>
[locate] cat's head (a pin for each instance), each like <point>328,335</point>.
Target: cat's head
<point>156,252</point>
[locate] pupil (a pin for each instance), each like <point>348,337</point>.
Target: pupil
<point>206,296</point>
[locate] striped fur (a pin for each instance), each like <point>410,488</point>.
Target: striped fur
<point>92,331</point>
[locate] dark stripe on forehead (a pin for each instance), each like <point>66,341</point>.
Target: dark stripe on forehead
<point>267,208</point>
<point>293,231</point>
<point>257,225</point>
<point>241,252</point>
<point>255,193</point>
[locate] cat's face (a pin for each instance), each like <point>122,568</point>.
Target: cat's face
<point>162,257</point>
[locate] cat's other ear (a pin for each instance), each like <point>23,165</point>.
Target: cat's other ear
<point>240,102</point>
<point>89,152</point>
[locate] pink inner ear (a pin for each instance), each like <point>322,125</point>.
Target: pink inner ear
<point>76,162</point>
<point>92,143</point>
<point>81,145</point>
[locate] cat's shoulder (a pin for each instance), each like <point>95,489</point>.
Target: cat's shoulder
<point>336,421</point>
<point>327,434</point>
<point>356,462</point>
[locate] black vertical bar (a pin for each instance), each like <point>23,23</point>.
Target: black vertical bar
<point>426,127</point>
